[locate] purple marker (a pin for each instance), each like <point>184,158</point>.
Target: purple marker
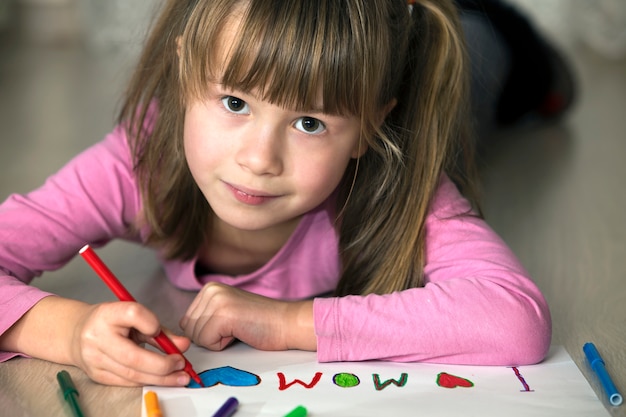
<point>228,408</point>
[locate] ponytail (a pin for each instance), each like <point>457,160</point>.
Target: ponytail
<point>382,233</point>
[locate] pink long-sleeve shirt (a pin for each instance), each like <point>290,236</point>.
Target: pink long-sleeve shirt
<point>478,305</point>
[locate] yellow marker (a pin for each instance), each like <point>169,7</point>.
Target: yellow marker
<point>152,404</point>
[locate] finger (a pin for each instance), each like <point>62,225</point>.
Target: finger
<point>122,362</point>
<point>112,372</point>
<point>110,355</point>
<point>209,333</point>
<point>106,377</point>
<point>131,315</point>
<point>192,327</point>
<point>181,342</point>
<point>130,354</point>
<point>183,322</point>
<point>133,363</point>
<point>221,344</point>
<point>193,309</point>
<point>201,302</point>
<point>143,326</point>
<point>191,320</point>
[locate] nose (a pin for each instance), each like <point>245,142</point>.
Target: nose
<point>261,151</point>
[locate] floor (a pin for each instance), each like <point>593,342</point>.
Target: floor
<point>555,192</point>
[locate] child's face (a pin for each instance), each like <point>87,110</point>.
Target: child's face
<point>263,166</point>
<point>259,165</point>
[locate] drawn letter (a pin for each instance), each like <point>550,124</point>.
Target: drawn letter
<point>346,380</point>
<point>282,383</point>
<point>399,383</point>
<point>522,380</point>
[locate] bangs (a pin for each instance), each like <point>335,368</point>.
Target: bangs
<point>304,55</point>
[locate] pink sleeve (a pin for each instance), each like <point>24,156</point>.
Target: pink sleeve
<point>478,306</point>
<point>92,199</point>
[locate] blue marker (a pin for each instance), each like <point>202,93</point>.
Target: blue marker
<point>597,364</point>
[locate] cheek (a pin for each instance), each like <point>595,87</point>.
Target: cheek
<point>202,150</point>
<point>191,145</point>
<point>320,177</point>
<point>321,170</point>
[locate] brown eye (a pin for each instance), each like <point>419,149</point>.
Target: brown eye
<point>310,125</point>
<point>235,105</point>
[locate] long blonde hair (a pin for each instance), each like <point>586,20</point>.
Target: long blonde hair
<point>362,55</point>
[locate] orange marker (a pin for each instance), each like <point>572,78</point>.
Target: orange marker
<point>122,293</point>
<point>152,404</point>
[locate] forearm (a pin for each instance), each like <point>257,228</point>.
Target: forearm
<point>463,322</point>
<point>46,331</point>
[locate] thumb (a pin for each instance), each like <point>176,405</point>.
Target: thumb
<point>181,342</point>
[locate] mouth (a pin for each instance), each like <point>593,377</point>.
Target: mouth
<point>248,196</point>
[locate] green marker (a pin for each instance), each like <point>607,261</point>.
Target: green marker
<point>70,393</point>
<point>299,411</point>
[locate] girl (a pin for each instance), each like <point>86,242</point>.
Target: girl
<point>274,152</point>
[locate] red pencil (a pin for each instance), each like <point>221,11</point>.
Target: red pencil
<point>120,292</point>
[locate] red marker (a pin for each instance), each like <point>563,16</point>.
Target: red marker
<point>122,293</point>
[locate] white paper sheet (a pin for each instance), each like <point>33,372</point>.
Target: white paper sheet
<point>268,387</point>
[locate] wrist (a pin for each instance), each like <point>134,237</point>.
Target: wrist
<point>301,327</point>
<point>46,330</point>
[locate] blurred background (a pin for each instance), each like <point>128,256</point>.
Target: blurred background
<point>555,192</point>
<point>599,23</point>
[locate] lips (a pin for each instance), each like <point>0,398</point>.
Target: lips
<point>248,196</point>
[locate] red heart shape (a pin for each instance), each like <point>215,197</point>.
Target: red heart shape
<point>452,381</point>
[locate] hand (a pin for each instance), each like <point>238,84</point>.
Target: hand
<point>106,345</point>
<point>220,314</point>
